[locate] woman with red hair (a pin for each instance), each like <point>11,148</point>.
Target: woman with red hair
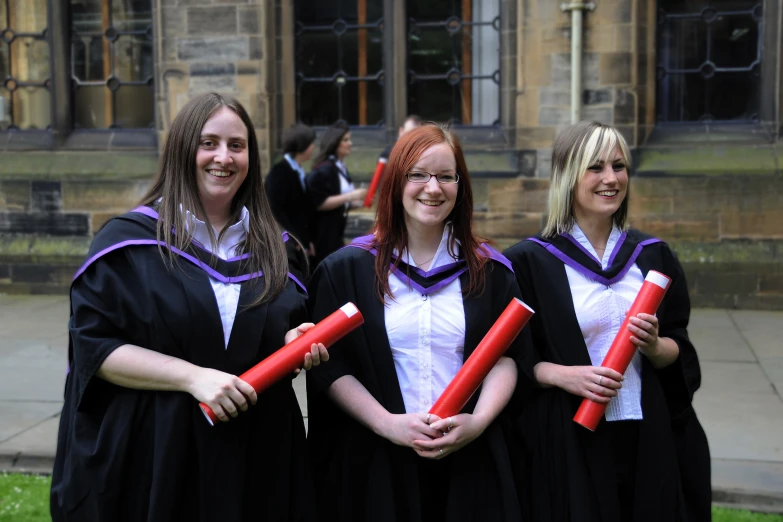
<point>429,291</point>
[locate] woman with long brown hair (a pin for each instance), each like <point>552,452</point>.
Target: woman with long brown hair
<point>176,299</point>
<point>331,190</point>
<point>429,291</point>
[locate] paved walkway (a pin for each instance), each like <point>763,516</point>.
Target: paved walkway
<point>740,402</point>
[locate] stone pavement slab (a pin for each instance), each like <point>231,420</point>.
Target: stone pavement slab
<point>716,337</point>
<point>741,413</point>
<point>740,405</point>
<point>763,332</point>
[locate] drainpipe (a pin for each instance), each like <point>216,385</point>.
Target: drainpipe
<point>576,9</point>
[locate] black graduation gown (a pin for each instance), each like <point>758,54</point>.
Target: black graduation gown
<point>328,227</point>
<point>566,471</point>
<point>132,455</point>
<point>290,204</point>
<point>362,476</point>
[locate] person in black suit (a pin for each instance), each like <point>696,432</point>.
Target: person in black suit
<point>286,188</point>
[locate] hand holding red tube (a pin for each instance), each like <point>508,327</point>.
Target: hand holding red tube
<point>289,358</point>
<point>484,357</point>
<point>623,349</point>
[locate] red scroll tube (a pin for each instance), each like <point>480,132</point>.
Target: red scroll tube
<point>376,180</point>
<point>290,357</point>
<point>490,349</point>
<point>622,350</point>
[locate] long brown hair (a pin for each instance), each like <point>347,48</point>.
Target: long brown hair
<point>330,140</point>
<point>390,232</point>
<point>176,188</point>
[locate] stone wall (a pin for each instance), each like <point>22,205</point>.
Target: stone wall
<point>214,45</point>
<point>726,230</point>
<point>614,71</point>
<point>48,215</point>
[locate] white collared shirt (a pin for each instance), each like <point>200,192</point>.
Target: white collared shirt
<point>298,168</point>
<point>601,311</point>
<point>426,334</point>
<point>226,294</point>
<point>345,185</point>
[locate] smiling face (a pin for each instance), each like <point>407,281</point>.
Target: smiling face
<point>602,188</point>
<point>221,161</point>
<point>429,204</point>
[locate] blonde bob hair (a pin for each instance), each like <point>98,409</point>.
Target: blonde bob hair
<point>575,150</point>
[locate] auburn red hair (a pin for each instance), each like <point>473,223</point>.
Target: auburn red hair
<point>390,232</point>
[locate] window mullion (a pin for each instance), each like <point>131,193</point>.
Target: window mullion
<point>394,66</point>
<point>60,60</point>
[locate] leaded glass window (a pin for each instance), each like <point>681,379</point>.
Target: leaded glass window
<point>112,64</point>
<point>339,61</point>
<point>450,71</point>
<point>709,60</point>
<point>25,100</point>
<point>454,60</point>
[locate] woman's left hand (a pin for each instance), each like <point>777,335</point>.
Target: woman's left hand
<point>644,328</point>
<point>317,354</point>
<point>458,431</point>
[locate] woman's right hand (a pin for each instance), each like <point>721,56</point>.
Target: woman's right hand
<point>404,429</point>
<point>358,194</point>
<point>596,383</point>
<point>226,394</point>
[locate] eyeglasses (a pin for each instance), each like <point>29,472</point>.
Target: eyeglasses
<point>425,177</point>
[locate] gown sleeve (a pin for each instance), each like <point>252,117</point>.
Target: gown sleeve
<point>103,299</point>
<point>326,296</point>
<point>509,289</point>
<point>519,255</point>
<point>298,264</point>
<point>277,192</point>
<point>682,378</point>
<point>320,184</point>
<point>521,349</point>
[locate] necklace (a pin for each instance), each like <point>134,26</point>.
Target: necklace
<point>418,265</point>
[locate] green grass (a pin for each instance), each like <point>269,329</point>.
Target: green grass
<point>735,515</point>
<point>25,498</point>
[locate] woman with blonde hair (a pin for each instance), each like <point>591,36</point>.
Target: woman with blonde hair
<point>581,276</point>
<point>429,291</point>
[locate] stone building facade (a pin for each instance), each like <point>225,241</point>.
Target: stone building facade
<point>88,89</point>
